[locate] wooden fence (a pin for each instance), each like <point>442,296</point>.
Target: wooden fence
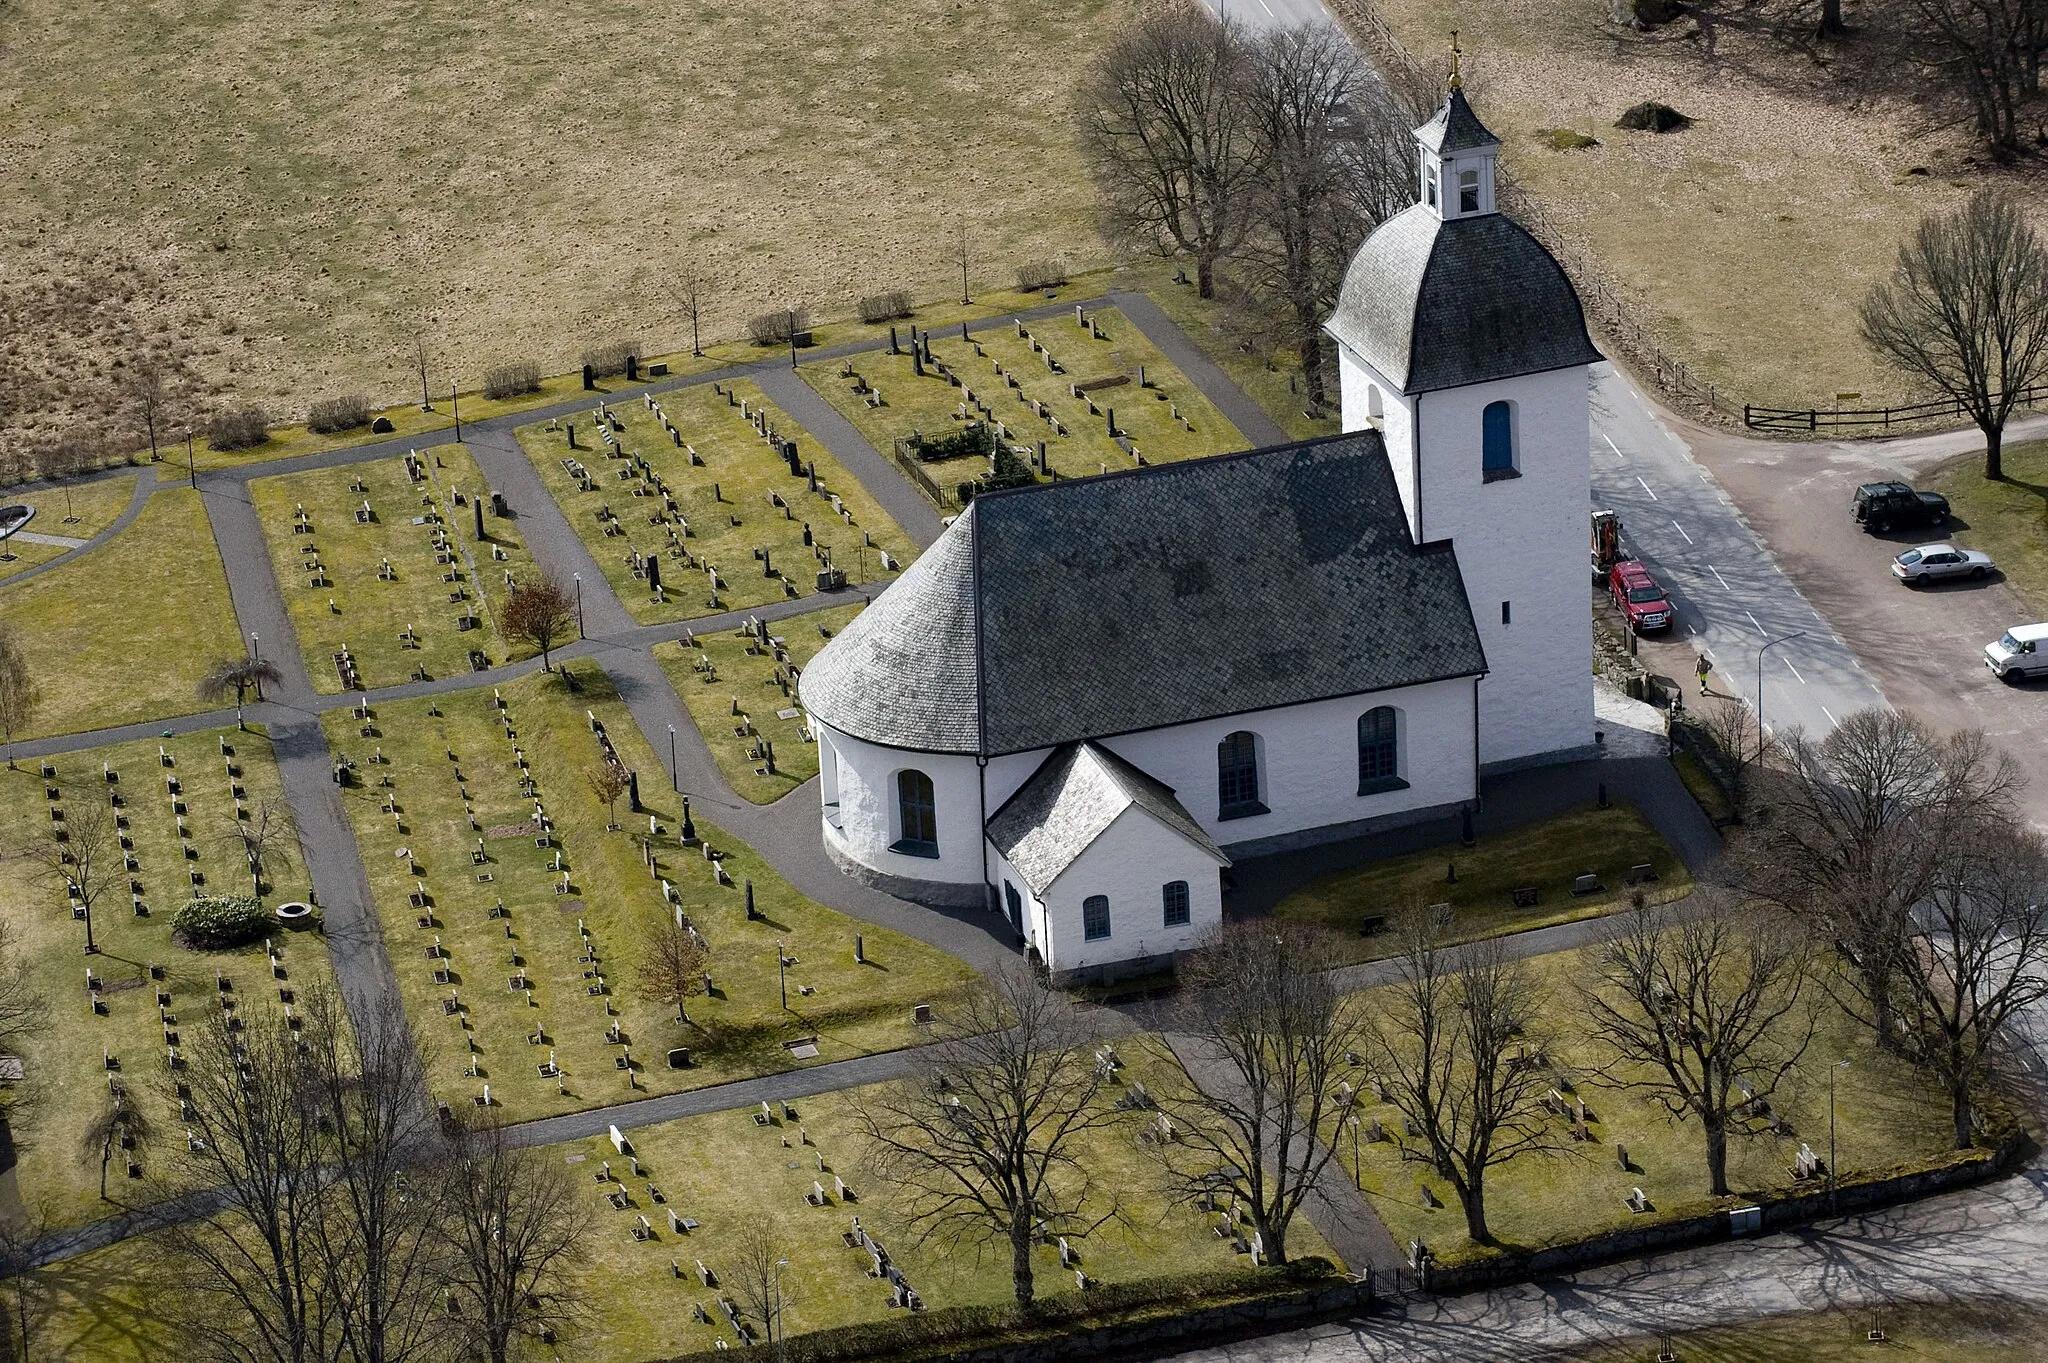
<point>1822,418</point>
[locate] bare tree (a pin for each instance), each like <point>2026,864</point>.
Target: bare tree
<point>1858,824</point>
<point>1264,1035</point>
<point>672,964</point>
<point>150,395</point>
<point>608,781</point>
<point>539,612</point>
<point>1966,309</point>
<point>517,1231</point>
<point>1979,962</point>
<point>24,1014</point>
<point>19,694</point>
<point>1319,120</point>
<point>1982,57</point>
<point>21,1235</point>
<point>81,855</point>
<point>986,1150</point>
<point>1706,1009</point>
<point>757,1275</point>
<point>1166,124</point>
<point>237,677</point>
<point>1448,1037</point>
<point>269,838</point>
<point>117,1123</point>
<point>688,289</point>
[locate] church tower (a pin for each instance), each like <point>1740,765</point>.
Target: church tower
<point>1463,342</point>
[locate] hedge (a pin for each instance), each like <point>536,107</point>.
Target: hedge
<point>214,922</point>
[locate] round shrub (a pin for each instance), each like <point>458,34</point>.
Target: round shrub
<point>240,429</point>
<point>217,921</point>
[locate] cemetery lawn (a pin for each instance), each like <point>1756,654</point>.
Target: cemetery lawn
<point>1887,1113</point>
<point>65,1070</point>
<point>1547,855</point>
<point>97,505</point>
<point>735,1033</point>
<point>1218,330</point>
<point>1946,1332</point>
<point>725,1171</point>
<point>2007,520</point>
<point>931,404</point>
<point>742,672</point>
<point>351,606</point>
<point>736,481</point>
<point>106,640</point>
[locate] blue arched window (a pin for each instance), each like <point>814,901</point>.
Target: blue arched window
<point>1497,441</point>
<point>917,810</point>
<point>1237,776</point>
<point>1379,751</point>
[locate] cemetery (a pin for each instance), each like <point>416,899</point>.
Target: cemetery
<point>1087,389</point>
<point>698,1181</point>
<point>739,686</point>
<point>1512,881</point>
<point>1886,1113</point>
<point>711,499</point>
<point>383,569</point>
<point>61,515</point>
<point>148,826</point>
<point>522,927</point>
<point>120,661</point>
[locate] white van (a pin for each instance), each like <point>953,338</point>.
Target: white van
<point>2021,651</point>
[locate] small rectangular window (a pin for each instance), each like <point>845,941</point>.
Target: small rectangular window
<point>1468,191</point>
<point>1504,613</point>
<point>1095,917</point>
<point>1175,894</point>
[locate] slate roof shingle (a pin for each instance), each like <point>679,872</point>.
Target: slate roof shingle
<point>1070,801</point>
<point>1145,599</point>
<point>1455,128</point>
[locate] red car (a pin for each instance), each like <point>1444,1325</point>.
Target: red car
<point>1637,596</point>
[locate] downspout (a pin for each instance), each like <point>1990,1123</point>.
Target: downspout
<point>988,886</point>
<point>1475,741</point>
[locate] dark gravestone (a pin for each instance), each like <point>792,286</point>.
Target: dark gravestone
<point>633,790</point>
<point>478,505</point>
<point>382,426</point>
<point>653,573</point>
<point>589,379</point>
<point>689,828</point>
<point>632,369</point>
<point>893,350</point>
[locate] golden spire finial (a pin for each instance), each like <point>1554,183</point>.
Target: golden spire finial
<point>1457,81</point>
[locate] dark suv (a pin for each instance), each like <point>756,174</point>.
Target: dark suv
<point>1880,506</point>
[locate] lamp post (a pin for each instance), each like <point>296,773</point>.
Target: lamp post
<point>1838,1065</point>
<point>190,467</point>
<point>675,777</point>
<point>1769,644</point>
<point>255,647</point>
<point>775,1330</point>
<point>792,338</point>
<point>455,402</point>
<point>579,604</point>
<point>782,974</point>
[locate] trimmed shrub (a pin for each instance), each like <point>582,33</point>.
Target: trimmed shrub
<point>217,921</point>
<point>512,378</point>
<point>885,307</point>
<point>970,440</point>
<point>343,413</point>
<point>775,328</point>
<point>239,429</point>
<point>610,358</point>
<point>1041,274</point>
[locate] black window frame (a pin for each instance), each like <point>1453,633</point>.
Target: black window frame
<point>925,810</point>
<point>1379,765</point>
<point>1238,782</point>
<point>1175,911</point>
<point>1088,908</point>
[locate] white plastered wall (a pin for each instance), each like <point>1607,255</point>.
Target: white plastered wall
<point>864,823</point>
<point>1129,864</point>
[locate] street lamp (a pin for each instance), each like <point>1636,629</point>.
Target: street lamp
<point>1769,644</point>
<point>190,467</point>
<point>775,1331</point>
<point>675,777</point>
<point>255,647</point>
<point>782,973</point>
<point>579,604</point>
<point>455,402</point>
<point>1838,1065</point>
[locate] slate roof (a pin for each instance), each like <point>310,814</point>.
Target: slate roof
<point>1435,304</point>
<point>1070,801</point>
<point>1455,128</point>
<point>1151,598</point>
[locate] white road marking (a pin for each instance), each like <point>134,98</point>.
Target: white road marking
<point>1612,446</point>
<point>1759,626</point>
<point>1646,488</point>
<point>1795,671</point>
<point>1681,530</point>
<point>1718,578</point>
<point>1832,721</point>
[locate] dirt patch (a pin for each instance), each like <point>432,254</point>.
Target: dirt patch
<point>529,829</point>
<point>297,189</point>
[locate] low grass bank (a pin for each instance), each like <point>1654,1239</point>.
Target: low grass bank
<point>2009,519</point>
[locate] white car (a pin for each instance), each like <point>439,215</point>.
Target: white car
<point>1933,562</point>
<point>2020,652</point>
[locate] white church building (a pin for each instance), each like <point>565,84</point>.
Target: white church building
<point>1088,697</point>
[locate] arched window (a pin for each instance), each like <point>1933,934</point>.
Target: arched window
<point>1095,917</point>
<point>1375,405</point>
<point>917,811</point>
<point>1237,776</point>
<point>1174,894</point>
<point>1379,751</point>
<point>1497,441</point>
<point>1429,185</point>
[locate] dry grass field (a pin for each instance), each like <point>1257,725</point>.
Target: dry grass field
<point>1750,236</point>
<point>283,194</point>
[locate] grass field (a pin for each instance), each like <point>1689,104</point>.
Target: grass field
<point>2008,520</point>
<point>743,674</point>
<point>331,574</point>
<point>1075,430</point>
<point>726,511</point>
<point>95,506</point>
<point>107,642</point>
<point>1886,1113</point>
<point>738,1031</point>
<point>65,1069</point>
<point>317,221</point>
<point>1548,856</point>
<point>1792,180</point>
